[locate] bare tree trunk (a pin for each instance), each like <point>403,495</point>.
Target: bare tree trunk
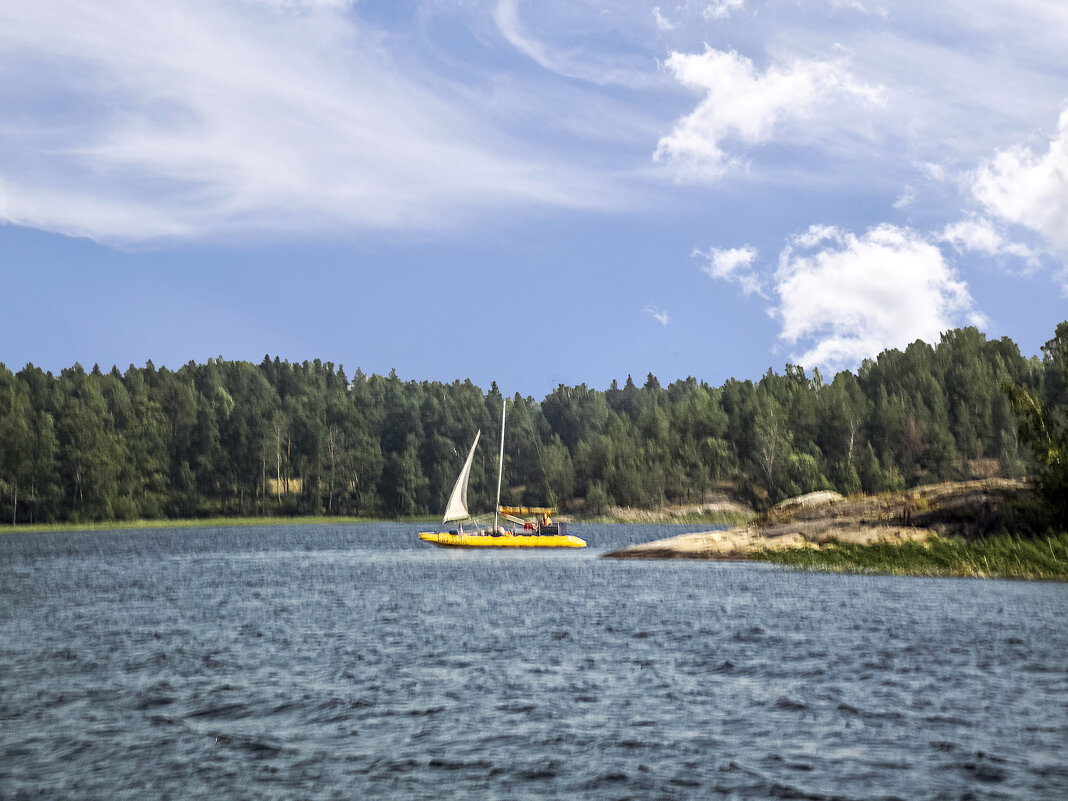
<point>289,462</point>
<point>331,435</point>
<point>278,461</point>
<point>854,426</point>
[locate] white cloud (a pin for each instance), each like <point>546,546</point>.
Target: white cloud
<point>658,314</point>
<point>1031,190</point>
<point>744,105</point>
<point>297,5</point>
<point>662,22</point>
<point>935,172</point>
<point>856,5</point>
<point>136,119</point>
<point>979,235</point>
<point>974,234</point>
<point>845,298</point>
<point>507,17</point>
<point>581,63</point>
<point>721,9</point>
<point>815,235</point>
<point>732,264</point>
<point>906,198</point>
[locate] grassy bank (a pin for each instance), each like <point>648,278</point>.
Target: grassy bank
<point>207,522</point>
<point>1044,558</point>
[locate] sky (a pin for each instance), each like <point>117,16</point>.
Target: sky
<point>532,193</point>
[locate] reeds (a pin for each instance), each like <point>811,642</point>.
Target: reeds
<point>1003,556</point>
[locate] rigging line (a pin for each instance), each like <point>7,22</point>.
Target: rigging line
<point>541,461</point>
<point>500,465</point>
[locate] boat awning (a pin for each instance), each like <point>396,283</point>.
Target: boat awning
<point>525,510</point>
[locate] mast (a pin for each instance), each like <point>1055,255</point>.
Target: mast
<point>500,466</point>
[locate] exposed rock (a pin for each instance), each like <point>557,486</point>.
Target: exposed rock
<point>811,499</point>
<point>723,505</point>
<point>814,520</point>
<point>733,543</point>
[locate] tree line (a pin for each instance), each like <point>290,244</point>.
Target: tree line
<point>280,438</point>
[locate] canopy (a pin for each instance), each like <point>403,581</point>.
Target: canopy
<point>526,510</point>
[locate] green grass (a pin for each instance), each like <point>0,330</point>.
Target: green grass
<point>208,522</point>
<point>1004,556</point>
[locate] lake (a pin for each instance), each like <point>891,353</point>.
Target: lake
<point>353,661</point>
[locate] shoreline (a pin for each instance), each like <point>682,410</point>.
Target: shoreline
<point>950,529</point>
<point>953,529</point>
<point>1003,556</point>
<point>201,522</point>
<point>710,514</point>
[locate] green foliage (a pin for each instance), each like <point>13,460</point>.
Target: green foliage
<point>597,499</point>
<point>281,439</point>
<point>1043,423</point>
<point>998,556</point>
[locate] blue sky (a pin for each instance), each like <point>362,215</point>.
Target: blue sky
<point>531,193</point>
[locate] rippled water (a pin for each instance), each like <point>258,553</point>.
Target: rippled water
<point>355,662</point>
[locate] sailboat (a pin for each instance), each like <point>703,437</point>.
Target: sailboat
<point>537,531</point>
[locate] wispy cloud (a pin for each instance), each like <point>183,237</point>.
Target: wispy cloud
<point>132,120</point>
<point>732,264</point>
<point>743,105</point>
<point>721,9</point>
<point>906,198</point>
<point>934,172</point>
<point>856,5</point>
<point>585,64</point>
<point>980,235</point>
<point>657,314</point>
<point>662,22</point>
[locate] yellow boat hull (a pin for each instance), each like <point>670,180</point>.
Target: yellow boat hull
<point>449,540</point>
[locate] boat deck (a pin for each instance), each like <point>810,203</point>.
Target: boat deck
<point>505,540</point>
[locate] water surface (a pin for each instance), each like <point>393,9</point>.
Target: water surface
<point>353,661</point>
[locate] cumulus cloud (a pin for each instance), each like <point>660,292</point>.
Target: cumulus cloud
<point>136,119</point>
<point>741,104</point>
<point>732,264</point>
<point>1021,187</point>
<point>844,297</point>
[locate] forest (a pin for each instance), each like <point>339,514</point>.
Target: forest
<point>232,438</point>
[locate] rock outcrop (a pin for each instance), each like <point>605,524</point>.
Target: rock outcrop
<point>810,521</point>
<point>716,503</point>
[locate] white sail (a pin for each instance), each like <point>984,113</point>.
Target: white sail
<point>456,509</point>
